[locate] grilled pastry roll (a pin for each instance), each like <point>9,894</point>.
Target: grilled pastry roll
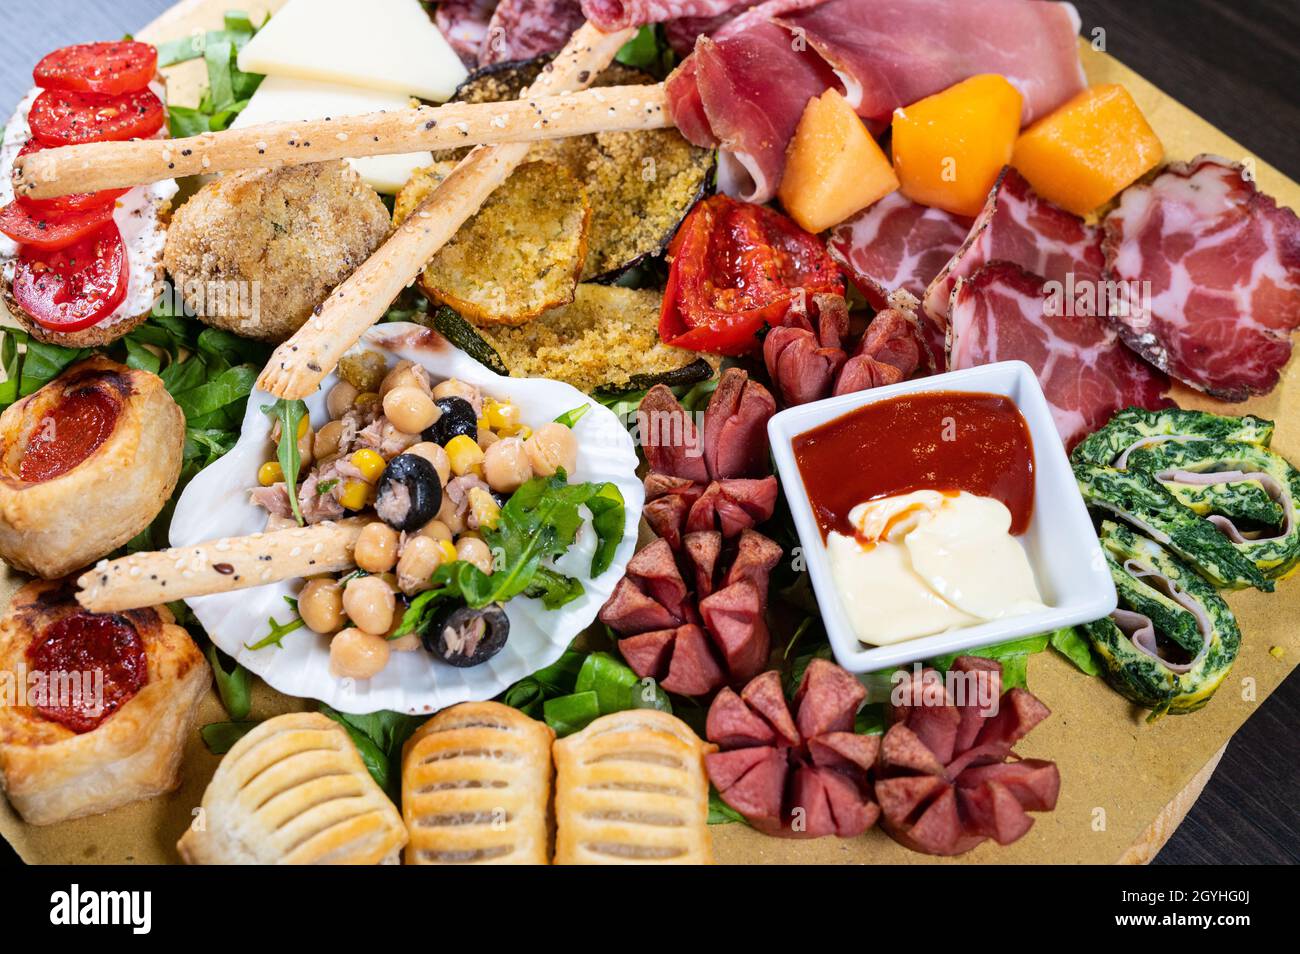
<point>294,791</point>
<point>631,788</point>
<point>103,705</point>
<point>476,785</point>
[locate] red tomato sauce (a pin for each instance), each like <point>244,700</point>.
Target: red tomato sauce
<point>943,440</point>
<point>73,429</point>
<point>88,643</point>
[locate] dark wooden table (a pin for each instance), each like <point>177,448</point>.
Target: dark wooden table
<point>1236,63</point>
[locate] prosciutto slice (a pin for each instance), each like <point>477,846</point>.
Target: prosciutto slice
<point>1221,264</point>
<point>1017,225</point>
<point>1087,374</point>
<point>889,53</point>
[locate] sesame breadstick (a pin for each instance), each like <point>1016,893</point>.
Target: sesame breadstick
<point>298,365</point>
<point>218,566</point>
<point>113,165</point>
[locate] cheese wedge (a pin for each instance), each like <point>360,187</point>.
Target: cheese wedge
<point>280,99</point>
<point>386,45</point>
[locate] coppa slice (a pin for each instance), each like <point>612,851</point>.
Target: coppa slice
<point>999,314</point>
<point>1222,264</point>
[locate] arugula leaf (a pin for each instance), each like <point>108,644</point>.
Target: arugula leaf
<point>279,630</point>
<point>234,687</point>
<point>572,416</point>
<point>288,413</point>
<point>220,737</point>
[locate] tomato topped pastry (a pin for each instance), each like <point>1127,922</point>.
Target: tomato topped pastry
<point>84,269</point>
<point>103,703</point>
<point>100,435</point>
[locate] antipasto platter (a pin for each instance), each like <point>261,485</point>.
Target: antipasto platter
<point>645,473</point>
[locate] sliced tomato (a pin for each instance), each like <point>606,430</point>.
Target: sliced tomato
<point>41,230</point>
<point>119,66</point>
<point>737,267</point>
<point>63,118</point>
<point>74,287</point>
<point>67,203</point>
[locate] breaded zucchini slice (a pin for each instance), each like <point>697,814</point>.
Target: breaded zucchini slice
<point>1173,639</point>
<point>1271,540</point>
<point>1134,427</point>
<point>519,255</point>
<point>1137,498</point>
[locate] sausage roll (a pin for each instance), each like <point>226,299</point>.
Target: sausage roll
<point>294,791</point>
<point>631,788</point>
<point>103,703</point>
<point>99,435</point>
<point>476,786</point>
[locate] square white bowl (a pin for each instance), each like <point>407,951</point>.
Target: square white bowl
<point>1060,541</point>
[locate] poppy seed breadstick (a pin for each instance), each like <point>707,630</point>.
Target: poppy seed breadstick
<point>298,366</point>
<point>111,165</point>
<point>218,566</point>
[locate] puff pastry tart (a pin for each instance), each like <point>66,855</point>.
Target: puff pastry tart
<point>107,703</point>
<point>631,788</point>
<point>476,786</point>
<point>99,435</point>
<point>294,791</point>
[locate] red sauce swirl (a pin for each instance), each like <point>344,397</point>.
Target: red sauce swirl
<point>88,643</point>
<point>940,440</point>
<point>73,429</point>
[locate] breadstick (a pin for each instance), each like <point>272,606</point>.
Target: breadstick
<point>114,165</point>
<point>218,566</point>
<point>298,365</point>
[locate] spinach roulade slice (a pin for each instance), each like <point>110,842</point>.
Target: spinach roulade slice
<point>1173,639</point>
<point>1133,428</point>
<point>1137,498</point>
<point>1246,491</point>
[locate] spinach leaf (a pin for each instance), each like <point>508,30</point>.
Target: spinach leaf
<point>289,414</point>
<point>379,737</point>
<point>234,687</point>
<point>220,737</point>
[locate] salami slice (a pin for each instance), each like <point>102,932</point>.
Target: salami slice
<point>522,29</point>
<point>464,23</point>
<point>611,15</point>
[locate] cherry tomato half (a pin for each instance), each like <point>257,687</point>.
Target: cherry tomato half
<point>735,268</point>
<point>41,230</point>
<point>74,287</point>
<point>120,66</point>
<point>67,203</point>
<point>63,118</point>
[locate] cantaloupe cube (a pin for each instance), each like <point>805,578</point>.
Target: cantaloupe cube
<point>1083,154</point>
<point>949,148</point>
<point>834,168</point>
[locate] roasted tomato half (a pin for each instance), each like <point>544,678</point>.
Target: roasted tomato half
<point>737,267</point>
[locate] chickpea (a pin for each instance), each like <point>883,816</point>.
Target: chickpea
<point>473,550</point>
<point>450,516</point>
<point>341,398</point>
<point>454,388</point>
<point>376,549</point>
<point>369,603</point>
<point>358,655</point>
<point>410,409</point>
<point>486,438</point>
<point>506,465</point>
<point>404,375</point>
<point>551,447</point>
<point>420,557</point>
<point>320,604</point>
<point>436,530</point>
<point>436,456</point>
<point>327,440</point>
<point>306,444</point>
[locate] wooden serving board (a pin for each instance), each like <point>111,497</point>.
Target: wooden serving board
<point>1126,785</point>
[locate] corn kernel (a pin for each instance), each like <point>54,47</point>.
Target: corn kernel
<point>355,495</point>
<point>465,455</point>
<point>502,416</point>
<point>270,473</point>
<point>523,432</point>
<point>448,551</point>
<point>370,463</point>
<point>486,510</point>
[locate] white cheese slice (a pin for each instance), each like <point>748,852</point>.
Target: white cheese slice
<point>279,99</point>
<point>387,45</point>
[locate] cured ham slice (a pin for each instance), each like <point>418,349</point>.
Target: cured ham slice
<point>896,244</point>
<point>889,53</point>
<point>1221,264</point>
<point>1017,225</point>
<point>999,314</point>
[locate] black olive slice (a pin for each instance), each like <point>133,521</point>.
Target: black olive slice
<point>409,493</point>
<point>457,418</point>
<point>464,637</point>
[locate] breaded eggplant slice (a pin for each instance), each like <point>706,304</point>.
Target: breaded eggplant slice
<point>1173,639</point>
<point>1134,427</point>
<point>1138,498</point>
<point>519,255</point>
<point>1240,472</point>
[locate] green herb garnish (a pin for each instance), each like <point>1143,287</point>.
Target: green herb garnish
<point>279,630</point>
<point>289,414</point>
<point>573,416</point>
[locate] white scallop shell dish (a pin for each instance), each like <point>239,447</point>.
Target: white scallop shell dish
<point>216,504</point>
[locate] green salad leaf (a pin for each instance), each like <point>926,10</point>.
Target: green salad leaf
<point>229,88</point>
<point>581,686</point>
<point>220,737</point>
<point>1014,656</point>
<point>1071,643</point>
<point>288,414</point>
<point>379,737</point>
<point>233,686</point>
